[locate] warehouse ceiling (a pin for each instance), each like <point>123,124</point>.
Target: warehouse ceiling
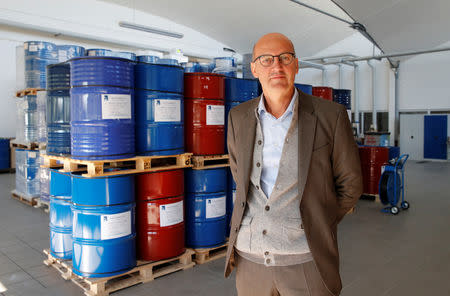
<point>395,25</point>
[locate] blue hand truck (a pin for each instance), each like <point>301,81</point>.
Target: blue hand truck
<point>391,187</point>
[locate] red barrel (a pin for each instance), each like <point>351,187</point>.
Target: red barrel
<point>160,215</point>
<point>323,92</point>
<point>204,111</point>
<point>372,159</point>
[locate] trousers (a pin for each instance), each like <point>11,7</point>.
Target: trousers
<point>254,279</point>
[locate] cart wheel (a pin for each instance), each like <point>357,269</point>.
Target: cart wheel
<point>394,210</point>
<point>405,205</point>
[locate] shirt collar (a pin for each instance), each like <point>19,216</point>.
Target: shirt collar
<point>262,108</point>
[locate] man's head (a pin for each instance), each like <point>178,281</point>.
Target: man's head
<point>276,75</point>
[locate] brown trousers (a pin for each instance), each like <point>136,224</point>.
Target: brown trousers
<point>254,279</point>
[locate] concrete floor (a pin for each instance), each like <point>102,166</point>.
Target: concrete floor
<point>381,254</point>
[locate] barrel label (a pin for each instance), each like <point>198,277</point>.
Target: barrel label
<point>33,48</point>
<point>62,55</point>
<point>171,214</point>
<point>215,115</point>
<point>116,106</point>
<point>167,110</point>
<point>215,207</point>
<point>115,225</point>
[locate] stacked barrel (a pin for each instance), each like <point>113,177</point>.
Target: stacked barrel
<point>38,54</point>
<point>159,131</point>
<point>372,160</point>
<point>306,88</point>
<point>204,110</point>
<point>344,97</point>
<point>27,173</point>
<point>323,92</point>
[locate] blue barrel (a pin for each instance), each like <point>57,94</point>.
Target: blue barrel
<point>240,90</point>
<point>206,67</point>
<point>159,123</point>
<point>38,54</point>
<point>30,113</point>
<point>205,207</point>
<point>99,52</point>
<point>191,67</point>
<point>104,234</point>
<point>101,71</point>
<point>58,109</point>
<point>172,62</point>
<point>231,198</point>
<point>164,78</point>
<point>148,59</point>
<point>343,97</point>
<point>125,55</point>
<point>225,66</point>
<point>27,172</point>
<point>67,52</point>
<point>60,215</point>
<point>4,154</point>
<point>306,88</point>
<point>102,108</point>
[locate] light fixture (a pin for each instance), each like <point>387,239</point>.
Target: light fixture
<point>150,30</point>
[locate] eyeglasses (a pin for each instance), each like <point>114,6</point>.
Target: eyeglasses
<point>284,58</point>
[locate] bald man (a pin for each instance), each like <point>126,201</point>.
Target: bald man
<point>297,171</point>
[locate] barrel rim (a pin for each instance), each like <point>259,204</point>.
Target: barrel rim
<point>101,58</point>
<point>155,64</point>
<point>228,77</point>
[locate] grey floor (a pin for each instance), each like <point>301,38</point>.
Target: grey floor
<point>381,254</point>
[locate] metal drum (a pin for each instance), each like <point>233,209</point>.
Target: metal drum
<point>323,92</point>
<point>231,198</point>
<point>30,119</point>
<point>102,108</point>
<point>237,90</point>
<point>67,52</point>
<point>104,235</point>
<point>225,66</point>
<point>159,109</point>
<point>160,215</point>
<point>344,97</point>
<point>4,154</point>
<point>394,152</point>
<point>148,59</point>
<point>38,55</point>
<point>372,159</point>
<point>125,55</point>
<point>206,207</point>
<point>27,173</point>
<point>168,62</point>
<point>99,52</point>
<point>58,108</point>
<point>204,111</point>
<point>156,77</point>
<point>60,215</point>
<point>306,88</point>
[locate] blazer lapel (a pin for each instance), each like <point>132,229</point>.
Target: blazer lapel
<point>247,130</point>
<point>307,129</point>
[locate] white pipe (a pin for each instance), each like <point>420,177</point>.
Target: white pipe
<point>344,55</point>
<point>341,75</point>
<point>397,113</point>
<point>374,111</point>
<point>356,98</point>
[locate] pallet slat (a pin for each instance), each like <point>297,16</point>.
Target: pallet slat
<point>144,272</point>
<point>27,146</point>
<point>206,255</point>
<point>28,200</point>
<point>28,92</point>
<point>210,161</point>
<point>134,165</point>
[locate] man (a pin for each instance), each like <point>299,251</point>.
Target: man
<point>297,172</point>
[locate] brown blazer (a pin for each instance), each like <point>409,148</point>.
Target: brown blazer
<point>329,171</point>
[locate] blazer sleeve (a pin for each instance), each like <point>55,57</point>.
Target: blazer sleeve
<point>231,145</point>
<point>346,166</point>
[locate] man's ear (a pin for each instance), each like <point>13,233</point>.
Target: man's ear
<point>253,68</point>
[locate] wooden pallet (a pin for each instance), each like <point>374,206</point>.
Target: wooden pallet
<point>27,146</point>
<point>144,272</point>
<point>202,256</point>
<point>28,92</point>
<point>135,165</point>
<point>45,205</point>
<point>210,161</point>
<point>28,200</point>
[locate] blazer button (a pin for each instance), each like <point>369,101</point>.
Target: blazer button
<point>243,204</point>
<point>268,261</point>
<point>257,187</point>
<point>236,229</point>
<point>258,164</point>
<point>264,232</point>
<point>266,253</point>
<point>267,208</point>
<point>259,142</point>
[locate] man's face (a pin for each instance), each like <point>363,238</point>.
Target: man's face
<point>276,76</point>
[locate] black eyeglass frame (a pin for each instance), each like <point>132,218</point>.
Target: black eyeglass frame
<point>275,56</point>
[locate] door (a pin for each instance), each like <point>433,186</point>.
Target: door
<point>435,137</point>
<point>411,135</point>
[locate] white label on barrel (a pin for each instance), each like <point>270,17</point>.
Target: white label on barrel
<point>31,154</point>
<point>171,214</point>
<point>215,115</point>
<point>382,169</point>
<point>115,225</point>
<point>167,110</point>
<point>215,207</point>
<point>33,48</point>
<point>234,196</point>
<point>349,113</point>
<point>62,55</point>
<point>115,106</point>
